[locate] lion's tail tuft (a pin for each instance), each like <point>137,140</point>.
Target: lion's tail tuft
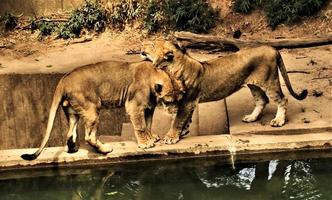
<point>283,71</point>
<point>28,156</point>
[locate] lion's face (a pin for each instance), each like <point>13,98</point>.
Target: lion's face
<point>161,53</point>
<point>168,92</point>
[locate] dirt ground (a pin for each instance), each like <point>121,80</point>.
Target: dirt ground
<point>20,43</point>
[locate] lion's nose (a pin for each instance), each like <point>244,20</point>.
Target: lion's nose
<point>143,53</point>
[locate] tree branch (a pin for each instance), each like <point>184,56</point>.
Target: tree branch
<point>215,43</point>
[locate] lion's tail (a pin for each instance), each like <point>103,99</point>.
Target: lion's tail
<point>57,98</point>
<point>283,71</point>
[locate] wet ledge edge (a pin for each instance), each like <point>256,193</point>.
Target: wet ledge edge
<point>241,146</point>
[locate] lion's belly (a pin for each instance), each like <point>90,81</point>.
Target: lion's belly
<point>217,89</point>
<point>217,94</point>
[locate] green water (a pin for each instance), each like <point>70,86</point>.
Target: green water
<point>209,178</point>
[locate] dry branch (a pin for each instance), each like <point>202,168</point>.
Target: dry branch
<point>28,26</point>
<point>297,71</point>
<point>215,43</point>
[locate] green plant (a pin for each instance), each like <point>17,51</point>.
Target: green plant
<point>33,24</point>
<point>90,16</point>
<point>280,11</point>
<point>246,6</point>
<point>9,20</point>
<point>64,32</point>
<point>93,16</point>
<point>192,15</point>
<point>154,16</point>
<point>46,28</point>
<point>122,12</point>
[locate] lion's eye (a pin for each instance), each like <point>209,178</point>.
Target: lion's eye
<point>169,56</point>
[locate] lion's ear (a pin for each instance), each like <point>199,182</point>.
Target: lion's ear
<point>182,49</point>
<point>158,88</point>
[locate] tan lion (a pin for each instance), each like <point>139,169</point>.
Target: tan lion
<point>218,78</point>
<point>86,90</point>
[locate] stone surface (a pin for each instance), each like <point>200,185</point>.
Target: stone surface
<point>127,150</point>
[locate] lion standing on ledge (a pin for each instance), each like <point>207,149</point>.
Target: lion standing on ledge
<point>218,78</point>
<point>84,91</point>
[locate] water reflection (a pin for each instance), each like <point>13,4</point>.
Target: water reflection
<point>310,179</point>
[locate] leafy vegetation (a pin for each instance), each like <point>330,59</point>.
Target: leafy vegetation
<point>10,21</point>
<point>46,28</point>
<point>246,6</point>
<point>154,15</point>
<point>193,15</point>
<point>90,16</point>
<point>122,12</point>
<point>280,11</point>
<point>291,11</point>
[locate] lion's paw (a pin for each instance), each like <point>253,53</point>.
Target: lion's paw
<point>249,118</point>
<point>155,138</point>
<point>72,149</point>
<point>105,148</point>
<point>170,140</point>
<point>145,145</point>
<point>277,122</point>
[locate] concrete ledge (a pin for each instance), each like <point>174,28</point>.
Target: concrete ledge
<point>191,146</point>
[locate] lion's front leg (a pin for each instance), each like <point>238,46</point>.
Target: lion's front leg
<point>137,117</point>
<point>180,124</point>
<point>148,120</point>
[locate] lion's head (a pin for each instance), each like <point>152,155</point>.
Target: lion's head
<point>168,92</point>
<point>161,52</point>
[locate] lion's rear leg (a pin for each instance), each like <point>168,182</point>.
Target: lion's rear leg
<point>276,95</point>
<point>91,121</point>
<point>72,137</point>
<point>260,102</point>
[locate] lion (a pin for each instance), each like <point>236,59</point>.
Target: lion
<point>84,91</point>
<point>213,80</point>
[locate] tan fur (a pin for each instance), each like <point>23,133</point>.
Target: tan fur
<point>86,90</point>
<point>218,78</point>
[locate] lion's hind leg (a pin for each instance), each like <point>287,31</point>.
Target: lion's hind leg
<point>276,95</point>
<point>91,121</point>
<point>72,136</point>
<point>260,102</point>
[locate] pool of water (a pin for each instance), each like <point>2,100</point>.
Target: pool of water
<point>191,179</point>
